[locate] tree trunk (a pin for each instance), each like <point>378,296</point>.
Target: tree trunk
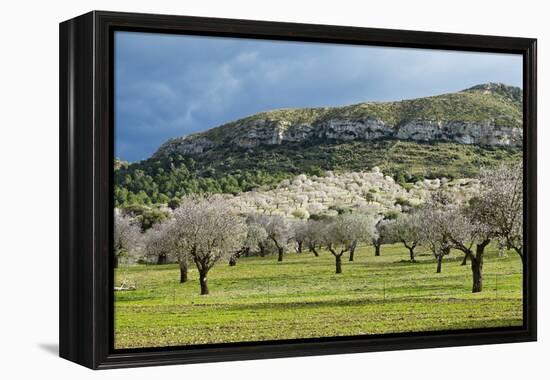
<point>183,272</point>
<point>300,245</point>
<point>411,254</point>
<point>281,251</point>
<point>234,257</point>
<point>161,259</point>
<point>477,276</point>
<point>519,251</point>
<point>439,261</point>
<point>204,284</point>
<point>262,249</point>
<point>477,267</point>
<point>115,261</point>
<point>339,264</point>
<point>352,251</point>
<point>314,250</point>
<point>464,260</point>
<point>377,246</point>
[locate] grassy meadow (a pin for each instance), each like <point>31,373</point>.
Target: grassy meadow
<point>302,297</point>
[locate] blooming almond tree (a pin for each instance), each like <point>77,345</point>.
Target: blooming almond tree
<point>405,229</point>
<point>464,227</point>
<point>433,223</point>
<point>156,243</point>
<point>300,228</point>
<point>208,229</point>
<point>314,235</point>
<point>127,244</point>
<point>255,235</point>
<point>495,213</point>
<point>162,242</point>
<point>342,234</point>
<point>278,231</point>
<point>469,234</point>
<point>174,245</point>
<point>381,234</point>
<point>127,237</point>
<point>502,191</point>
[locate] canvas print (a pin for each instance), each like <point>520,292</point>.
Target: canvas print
<point>278,190</point>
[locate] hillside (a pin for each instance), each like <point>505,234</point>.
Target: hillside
<point>372,192</point>
<point>488,114</point>
<point>449,135</point>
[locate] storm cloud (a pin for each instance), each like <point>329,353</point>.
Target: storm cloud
<point>174,85</point>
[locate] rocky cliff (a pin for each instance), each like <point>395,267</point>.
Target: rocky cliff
<point>488,115</point>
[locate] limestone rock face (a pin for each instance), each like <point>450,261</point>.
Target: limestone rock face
<point>274,132</point>
<point>263,132</point>
<point>186,145</point>
<point>460,132</point>
<point>366,129</point>
<point>488,115</point>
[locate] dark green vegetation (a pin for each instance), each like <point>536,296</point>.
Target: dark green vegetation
<point>231,170</point>
<point>261,299</point>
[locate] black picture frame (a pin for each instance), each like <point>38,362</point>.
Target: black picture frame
<point>86,182</point>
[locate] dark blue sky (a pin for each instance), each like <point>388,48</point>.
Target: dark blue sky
<point>168,85</point>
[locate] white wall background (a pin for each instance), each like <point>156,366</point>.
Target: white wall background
<point>29,187</point>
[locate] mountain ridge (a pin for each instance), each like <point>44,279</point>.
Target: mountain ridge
<point>485,114</point>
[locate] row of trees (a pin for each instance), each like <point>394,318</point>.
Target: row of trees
<point>495,214</point>
<point>206,229</point>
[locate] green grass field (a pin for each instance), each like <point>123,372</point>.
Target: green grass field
<point>260,299</point>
